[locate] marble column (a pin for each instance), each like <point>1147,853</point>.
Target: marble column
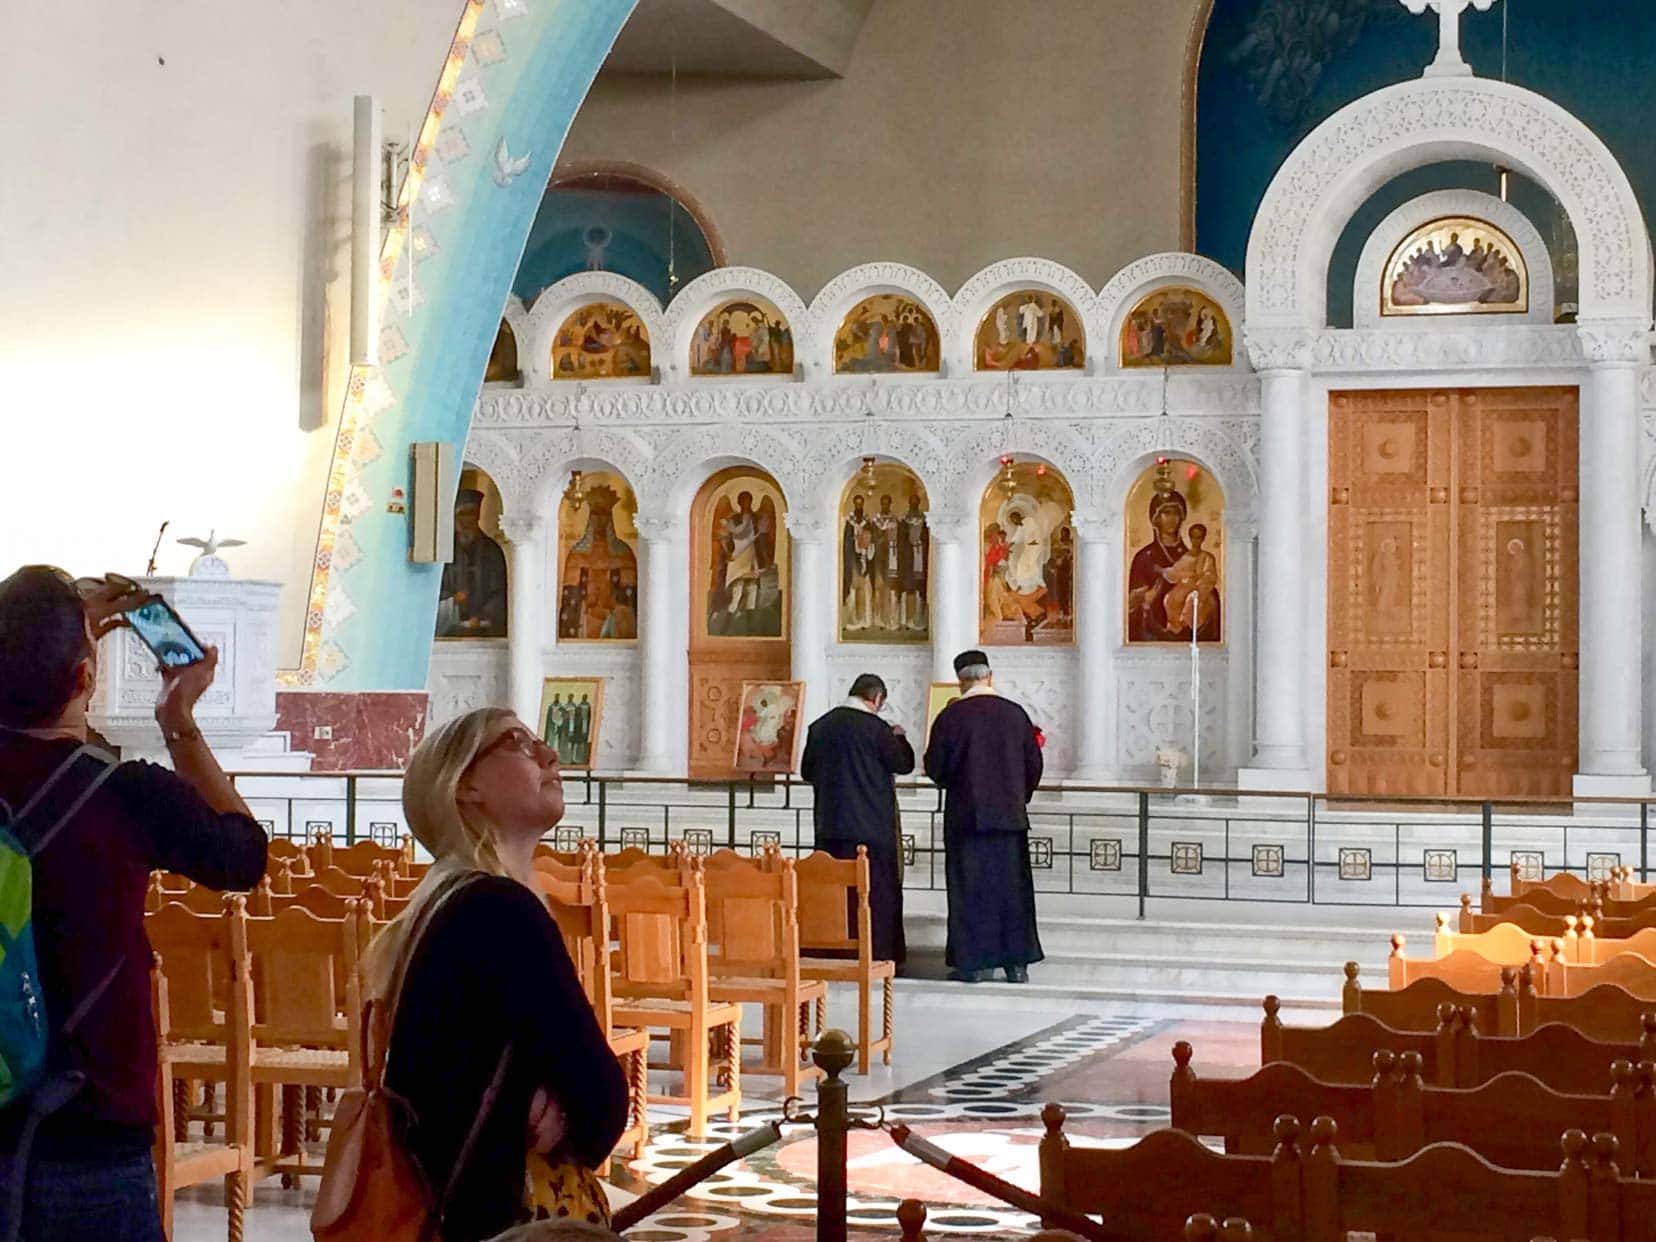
<point>811,610</point>
<point>1611,598</point>
<point>953,592</point>
<point>525,554</point>
<point>1283,360</point>
<point>664,642</point>
<point>1098,631</point>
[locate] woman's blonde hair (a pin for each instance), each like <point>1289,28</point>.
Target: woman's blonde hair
<point>458,837</point>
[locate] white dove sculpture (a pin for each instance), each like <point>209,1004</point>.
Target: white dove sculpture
<point>508,168</point>
<point>208,565</point>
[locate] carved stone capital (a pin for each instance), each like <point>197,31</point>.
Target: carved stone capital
<point>660,528</point>
<point>522,527</point>
<point>1615,341</point>
<point>1096,530</point>
<point>806,527</point>
<point>1280,349</point>
<point>950,525</point>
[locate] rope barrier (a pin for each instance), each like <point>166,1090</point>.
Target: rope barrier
<point>1050,1214</point>
<point>660,1196</point>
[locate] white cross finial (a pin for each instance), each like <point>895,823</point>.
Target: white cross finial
<point>1449,63</point>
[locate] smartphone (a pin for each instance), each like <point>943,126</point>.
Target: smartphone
<point>163,631</point>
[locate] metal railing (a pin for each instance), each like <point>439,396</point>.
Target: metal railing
<point>1132,843</point>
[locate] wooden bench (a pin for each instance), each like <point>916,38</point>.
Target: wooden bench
<point>1344,1051</point>
<point>1512,1119</point>
<point>1147,1192</point>
<point>1415,1007</point>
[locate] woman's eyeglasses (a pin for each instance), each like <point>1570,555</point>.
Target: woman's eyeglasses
<point>522,741</point>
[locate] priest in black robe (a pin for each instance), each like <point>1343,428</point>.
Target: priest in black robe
<point>984,754</point>
<point>852,759</point>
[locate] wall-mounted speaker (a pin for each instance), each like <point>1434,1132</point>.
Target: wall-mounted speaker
<point>431,502</point>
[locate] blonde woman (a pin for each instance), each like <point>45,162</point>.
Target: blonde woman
<point>491,1020</point>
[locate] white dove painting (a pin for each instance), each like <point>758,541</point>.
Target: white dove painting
<point>507,167</point>
<point>208,564</point>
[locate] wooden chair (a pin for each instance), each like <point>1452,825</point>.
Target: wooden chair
<point>1469,969</point>
<point>661,983</point>
<point>1633,973</point>
<point>306,1035</point>
<point>1561,884</point>
<point>835,918</point>
<point>1148,1191</point>
<point>1598,942</point>
<point>365,858</point>
<point>1447,1191</point>
<point>1540,915</point>
<point>1415,1006</point>
<point>1623,887</point>
<point>753,959</point>
<point>581,911</point>
<point>1344,1051</point>
<point>1559,1056</point>
<point>1603,1012</point>
<point>198,1043</point>
<point>281,850</point>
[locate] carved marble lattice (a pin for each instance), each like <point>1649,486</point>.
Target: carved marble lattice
<point>1153,711</point>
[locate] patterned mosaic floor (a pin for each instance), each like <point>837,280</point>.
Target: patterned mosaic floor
<point>981,1101</point>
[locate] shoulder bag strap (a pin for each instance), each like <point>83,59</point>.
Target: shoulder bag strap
<point>392,1001</point>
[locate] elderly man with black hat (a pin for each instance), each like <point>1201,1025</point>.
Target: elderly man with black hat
<point>471,603</point>
<point>984,753</point>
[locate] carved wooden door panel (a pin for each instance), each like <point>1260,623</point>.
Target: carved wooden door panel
<point>1452,589</point>
<point>1389,550</point>
<point>1516,618</point>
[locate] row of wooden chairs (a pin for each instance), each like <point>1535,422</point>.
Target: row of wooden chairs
<point>680,944</point>
<point>253,1005</point>
<point>834,919</point>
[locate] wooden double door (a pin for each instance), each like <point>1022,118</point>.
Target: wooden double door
<point>1452,592</point>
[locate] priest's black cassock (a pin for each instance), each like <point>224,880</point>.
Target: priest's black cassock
<point>982,751</point>
<point>851,759</point>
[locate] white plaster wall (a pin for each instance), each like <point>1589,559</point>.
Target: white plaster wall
<point>174,254</point>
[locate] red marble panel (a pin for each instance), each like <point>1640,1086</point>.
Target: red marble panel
<point>369,731</point>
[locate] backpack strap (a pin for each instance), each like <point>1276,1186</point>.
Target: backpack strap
<point>69,787</point>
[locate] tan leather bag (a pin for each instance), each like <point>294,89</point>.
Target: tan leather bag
<point>372,1187</point>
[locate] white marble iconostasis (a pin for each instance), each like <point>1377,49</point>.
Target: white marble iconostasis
<point>1256,421</point>
<point>1097,426</point>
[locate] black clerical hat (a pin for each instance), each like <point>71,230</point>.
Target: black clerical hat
<point>966,659</point>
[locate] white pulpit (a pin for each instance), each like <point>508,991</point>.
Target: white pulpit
<point>236,615</point>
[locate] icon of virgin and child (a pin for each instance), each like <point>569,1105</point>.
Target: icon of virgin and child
<point>1173,580</point>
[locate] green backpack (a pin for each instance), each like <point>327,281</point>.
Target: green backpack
<point>23,1026</point>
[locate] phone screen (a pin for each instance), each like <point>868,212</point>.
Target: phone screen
<point>165,634</point>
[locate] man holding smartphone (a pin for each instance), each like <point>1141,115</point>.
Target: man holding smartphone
<point>87,1172</point>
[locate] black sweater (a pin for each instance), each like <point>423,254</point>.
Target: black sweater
<point>492,970</point>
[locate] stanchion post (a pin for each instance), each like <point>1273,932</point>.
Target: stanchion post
<point>833,1053</point>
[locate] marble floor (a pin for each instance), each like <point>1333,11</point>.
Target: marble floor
<point>970,1073</point>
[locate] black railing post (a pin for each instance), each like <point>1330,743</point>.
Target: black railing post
<point>1644,842</point>
<point>730,825</point>
<point>350,810</point>
<point>603,809</point>
<point>833,1053</point>
<point>1488,840</point>
<point>1144,849</point>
